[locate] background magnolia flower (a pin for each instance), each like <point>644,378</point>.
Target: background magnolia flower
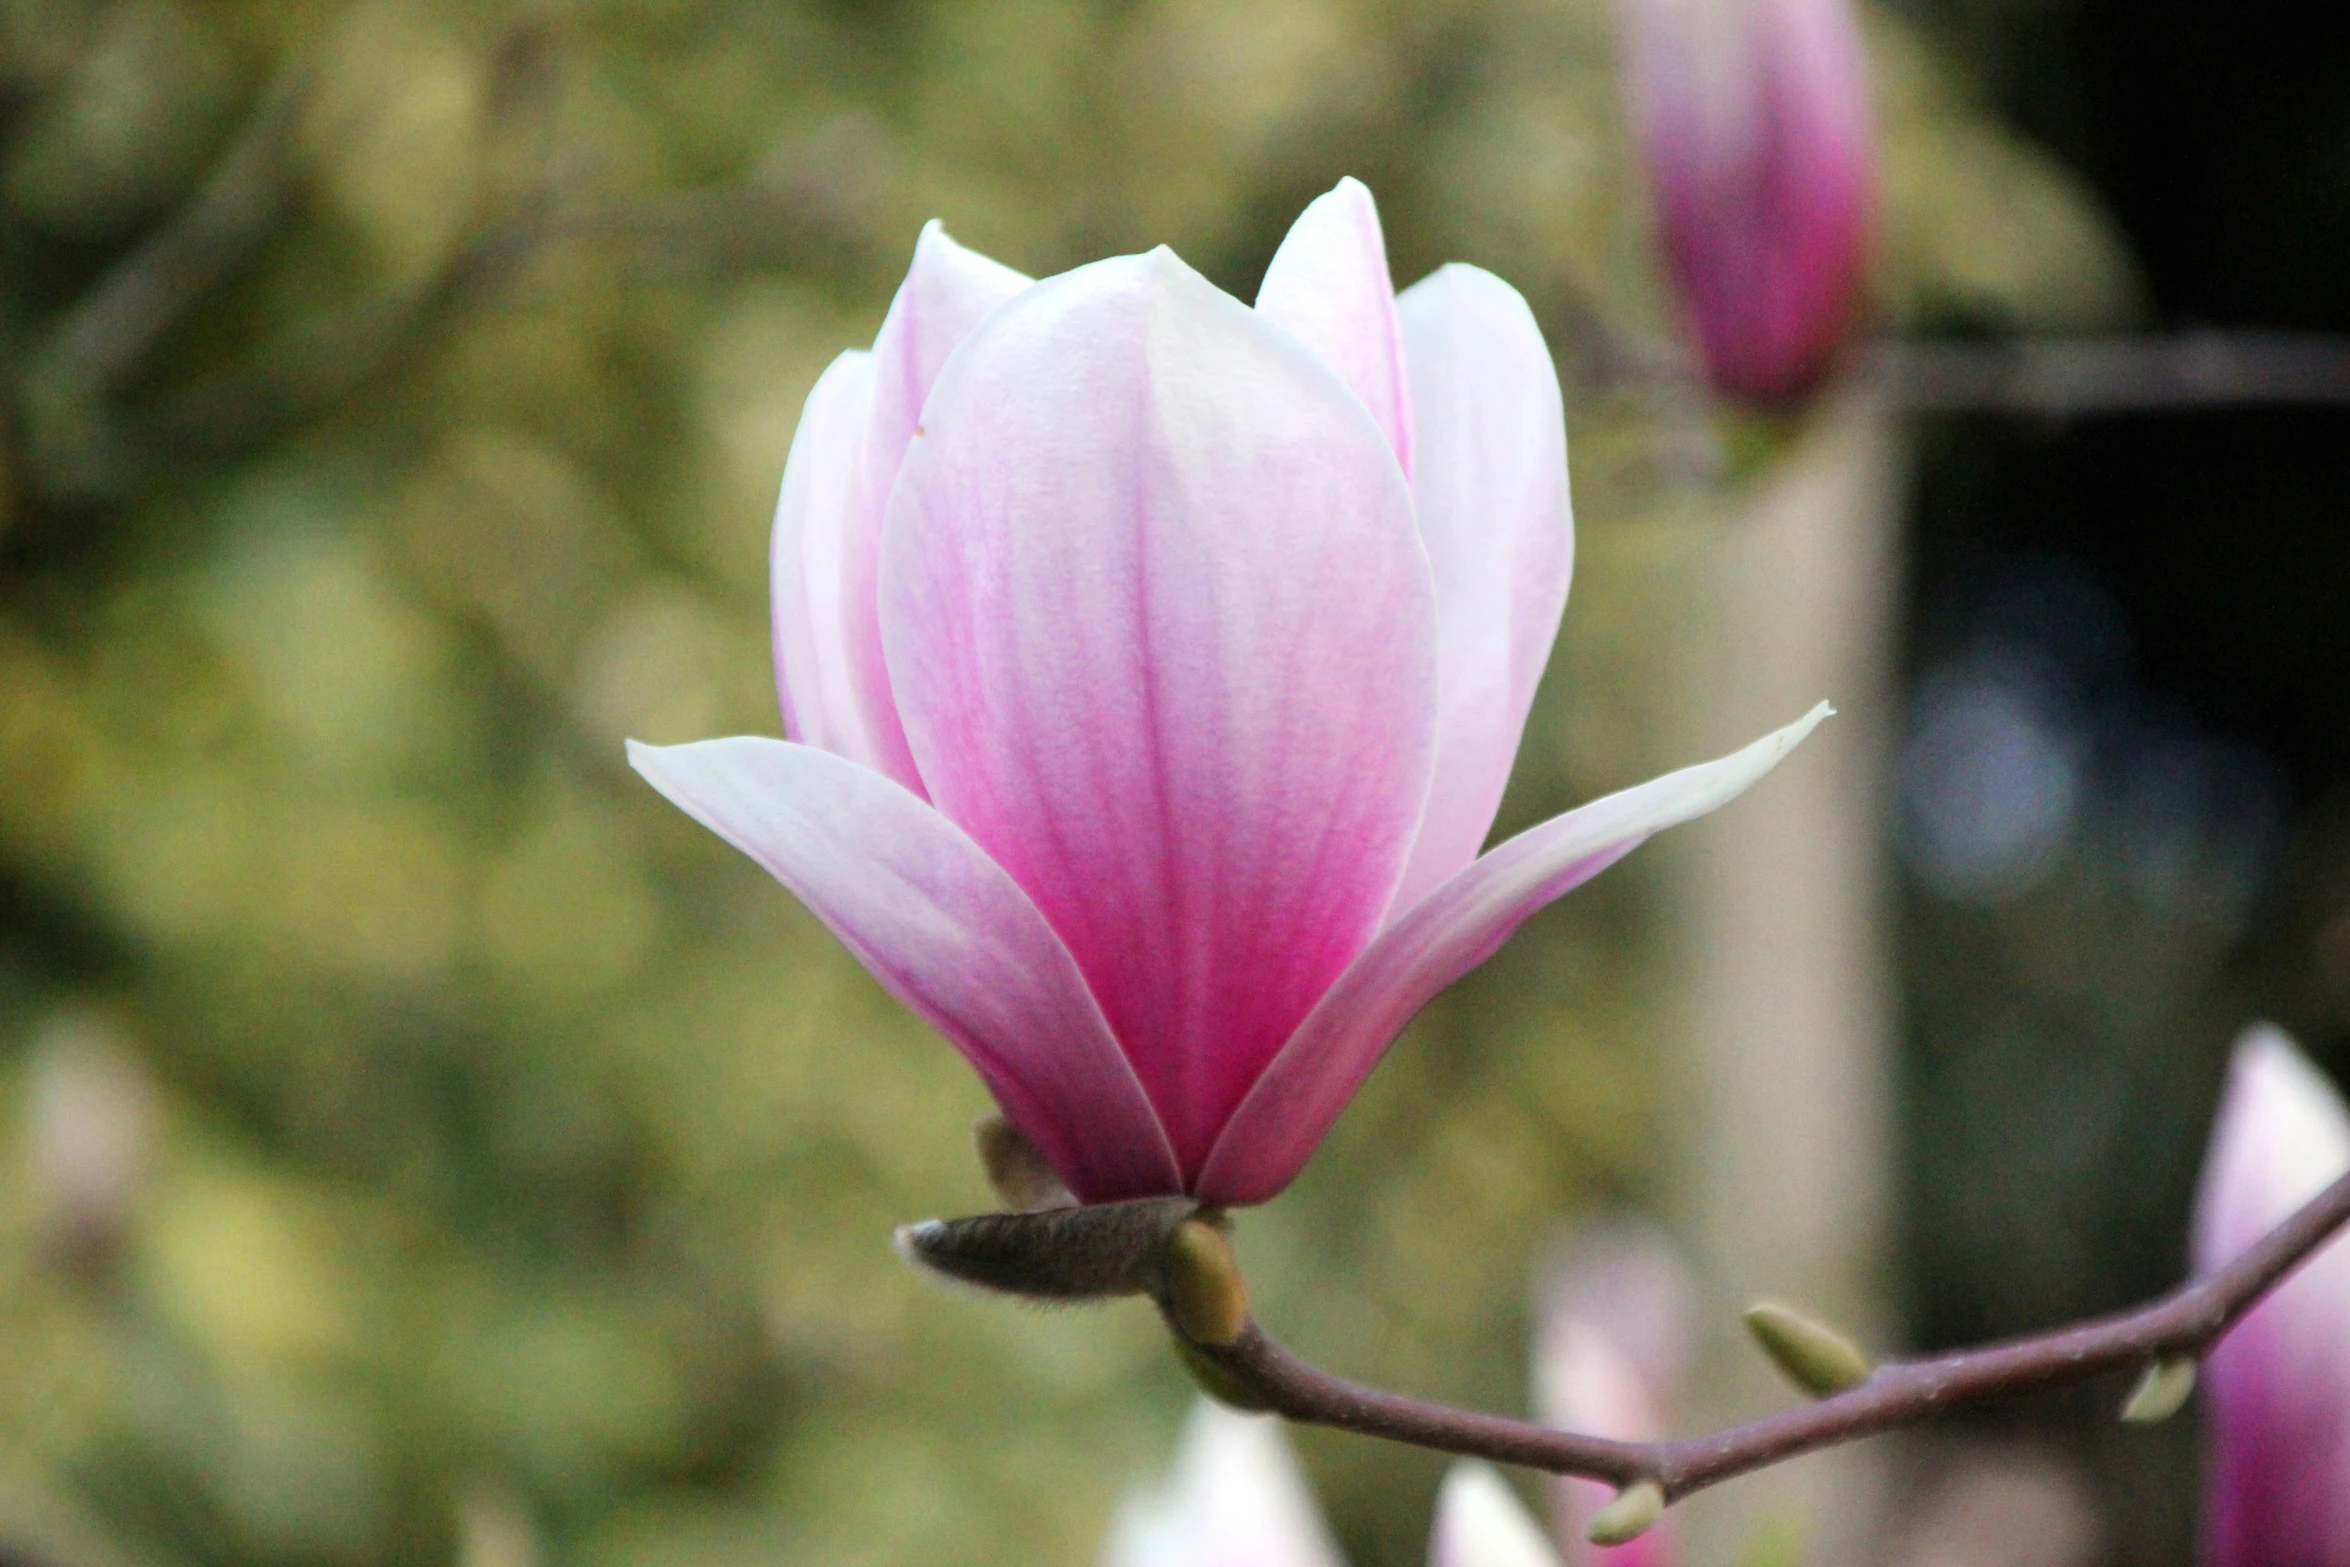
<point>2278,1387</point>
<point>1754,123</point>
<point>1611,1350</point>
<point>1481,1523</point>
<point>1153,666</point>
<point>1235,1497</point>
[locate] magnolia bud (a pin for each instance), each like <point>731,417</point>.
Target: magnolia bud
<point>1205,1297</point>
<point>1016,1171</point>
<point>2161,1392</point>
<point>1630,1515</point>
<point>1092,1253</point>
<point>1814,1356</point>
<point>1754,126</point>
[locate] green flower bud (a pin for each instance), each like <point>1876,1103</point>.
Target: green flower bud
<point>1814,1356</point>
<point>1629,1516</point>
<point>1205,1297</point>
<point>2161,1391</point>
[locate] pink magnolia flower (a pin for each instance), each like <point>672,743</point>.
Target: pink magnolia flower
<point>1611,1350</point>
<point>1753,119</point>
<point>1153,665</point>
<point>2277,1489</point>
<point>1235,1497</point>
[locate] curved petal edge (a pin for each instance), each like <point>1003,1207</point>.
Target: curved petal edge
<point>1492,500</point>
<point>1448,933</point>
<point>1328,286</point>
<point>944,930</point>
<point>814,679</point>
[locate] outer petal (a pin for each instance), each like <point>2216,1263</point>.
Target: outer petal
<point>1235,1499</point>
<point>2279,1385</point>
<point>1450,932</point>
<point>945,931</point>
<point>1481,1523</point>
<point>1491,486</point>
<point>948,291</point>
<point>812,674</point>
<point>1328,285</point>
<point>1163,639</point>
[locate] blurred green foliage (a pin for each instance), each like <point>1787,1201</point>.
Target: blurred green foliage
<point>501,1167</point>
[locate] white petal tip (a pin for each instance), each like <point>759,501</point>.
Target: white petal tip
<point>1796,733</point>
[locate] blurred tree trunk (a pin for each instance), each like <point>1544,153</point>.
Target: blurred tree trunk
<point>1783,1095</point>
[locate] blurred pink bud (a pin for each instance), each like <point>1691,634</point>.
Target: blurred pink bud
<point>1611,1350</point>
<point>1153,665</point>
<point>2278,1386</point>
<point>1753,119</point>
<point>90,1109</point>
<point>1234,1498</point>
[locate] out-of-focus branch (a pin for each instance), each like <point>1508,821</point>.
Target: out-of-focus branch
<point>85,442</point>
<point>325,360</point>
<point>2079,377</point>
<point>100,345</point>
<point>2182,1325</point>
<point>2050,378</point>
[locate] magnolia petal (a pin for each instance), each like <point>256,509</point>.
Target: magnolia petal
<point>1491,488</point>
<point>1235,1498</point>
<point>1162,635</point>
<point>945,931</point>
<point>812,677</point>
<point>948,291</point>
<point>1328,286</point>
<point>1481,1523</point>
<point>2278,1386</point>
<point>1448,933</point>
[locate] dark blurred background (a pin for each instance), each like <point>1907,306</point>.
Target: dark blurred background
<point>429,1146</point>
<point>2122,795</point>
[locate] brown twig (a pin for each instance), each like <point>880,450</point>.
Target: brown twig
<point>2051,378</point>
<point>2183,1324</point>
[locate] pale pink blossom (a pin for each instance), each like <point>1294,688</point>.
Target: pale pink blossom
<point>1481,1523</point>
<point>1153,666</point>
<point>1611,1351</point>
<point>2277,1490</point>
<point>1235,1497</point>
<point>1754,124</point>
